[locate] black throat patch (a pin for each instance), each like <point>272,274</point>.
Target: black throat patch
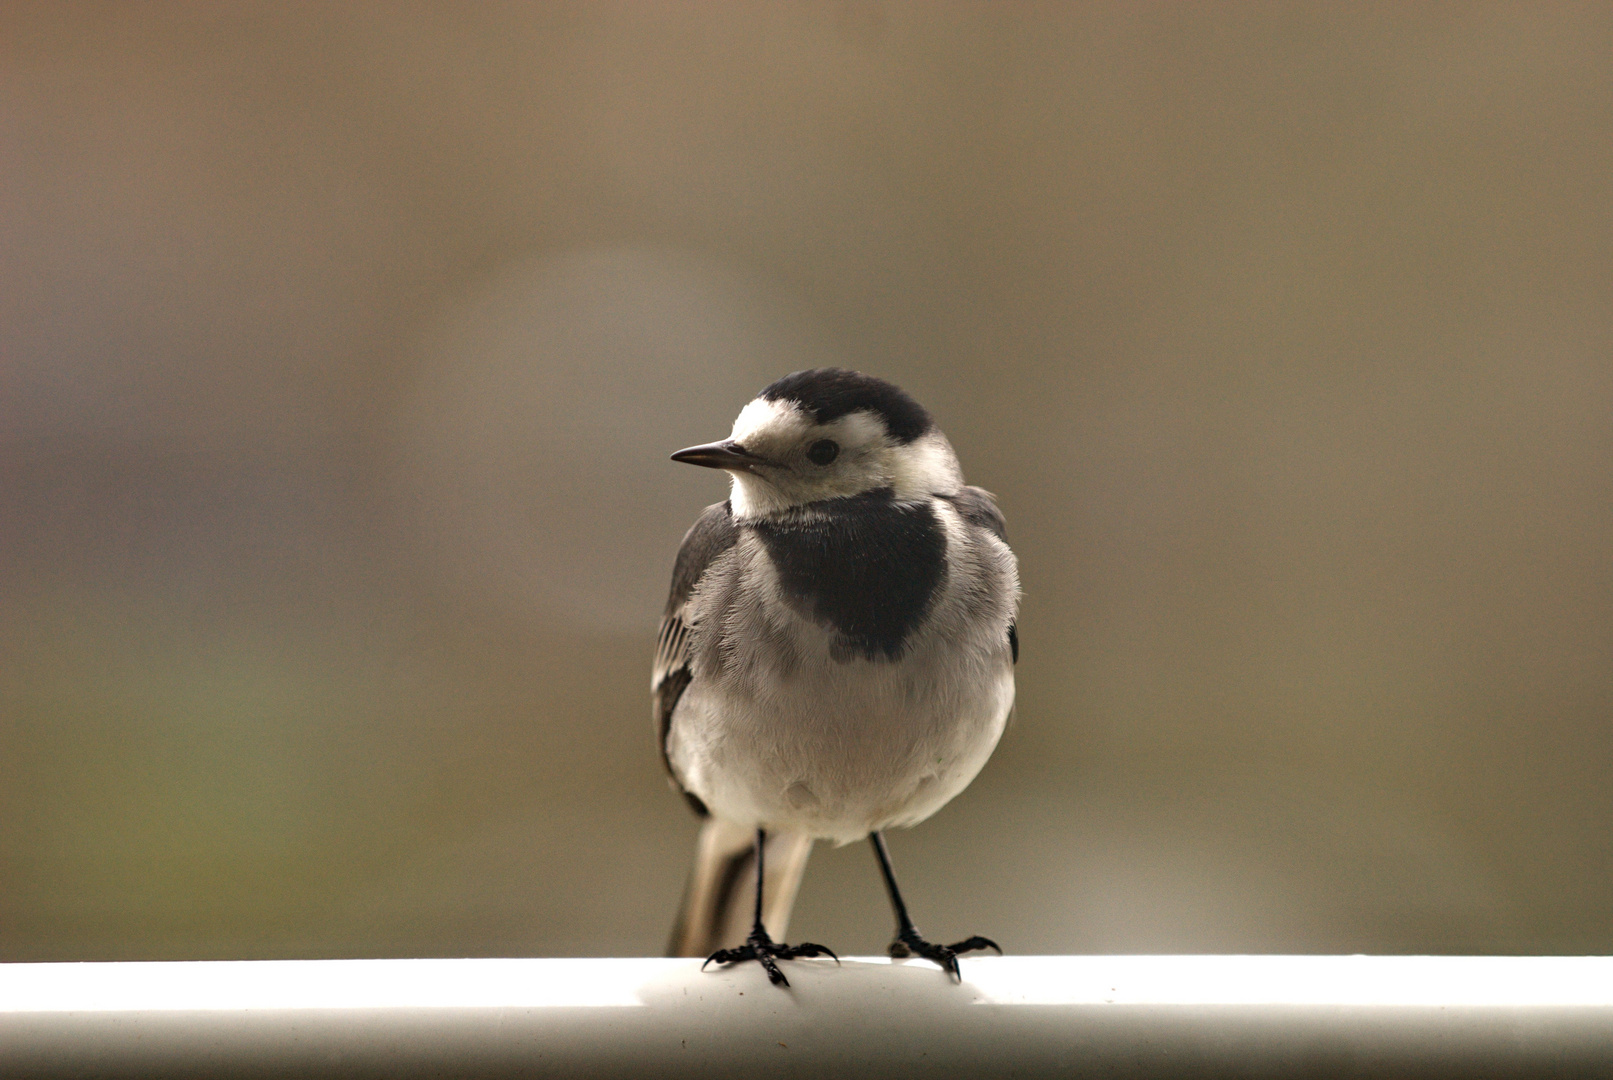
<point>866,566</point>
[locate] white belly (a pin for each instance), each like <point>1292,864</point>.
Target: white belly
<point>838,749</point>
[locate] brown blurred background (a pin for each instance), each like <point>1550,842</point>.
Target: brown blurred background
<point>342,347</point>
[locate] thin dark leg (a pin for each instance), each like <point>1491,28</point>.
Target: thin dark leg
<point>904,925</point>
<point>759,946</point>
<point>761,852</point>
<point>909,942</point>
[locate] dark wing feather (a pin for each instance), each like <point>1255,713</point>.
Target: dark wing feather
<point>711,535</point>
<point>979,507</point>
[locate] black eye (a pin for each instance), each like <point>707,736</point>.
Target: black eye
<point>823,451</point>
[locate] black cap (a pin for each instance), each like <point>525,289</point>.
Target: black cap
<point>830,393</point>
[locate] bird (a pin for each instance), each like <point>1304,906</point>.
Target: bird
<point>836,656</point>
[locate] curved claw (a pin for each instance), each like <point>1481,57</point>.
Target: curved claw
<point>807,948</point>
<point>946,956</point>
<point>976,942</point>
<point>774,975</point>
<point>765,952</point>
<point>730,956</point>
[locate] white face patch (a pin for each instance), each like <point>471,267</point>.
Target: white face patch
<point>768,421</point>
<point>925,466</point>
<point>868,459</point>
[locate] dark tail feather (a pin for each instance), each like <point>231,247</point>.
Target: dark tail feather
<point>719,901</point>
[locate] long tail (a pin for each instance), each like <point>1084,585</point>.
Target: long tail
<point>718,902</point>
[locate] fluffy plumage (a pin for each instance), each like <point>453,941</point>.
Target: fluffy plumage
<point>836,655</point>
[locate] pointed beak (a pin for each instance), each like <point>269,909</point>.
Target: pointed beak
<point>720,455</point>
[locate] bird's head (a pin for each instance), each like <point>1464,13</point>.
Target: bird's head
<point>827,434</point>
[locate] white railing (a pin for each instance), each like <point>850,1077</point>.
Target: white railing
<point>1113,1016</point>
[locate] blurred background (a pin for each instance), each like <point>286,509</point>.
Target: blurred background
<point>342,347</point>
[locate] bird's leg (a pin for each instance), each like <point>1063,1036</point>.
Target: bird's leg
<point>908,941</point>
<point>759,946</point>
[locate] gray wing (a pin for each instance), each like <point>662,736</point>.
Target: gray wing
<point>713,533</point>
<point>979,507</point>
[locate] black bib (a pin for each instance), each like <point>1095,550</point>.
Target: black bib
<point>865,566</point>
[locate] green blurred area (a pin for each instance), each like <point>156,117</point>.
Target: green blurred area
<point>342,347</point>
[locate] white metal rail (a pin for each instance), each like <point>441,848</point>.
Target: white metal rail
<point>1111,1016</point>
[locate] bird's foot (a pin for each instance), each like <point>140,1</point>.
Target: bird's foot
<point>908,943</point>
<point>765,951</point>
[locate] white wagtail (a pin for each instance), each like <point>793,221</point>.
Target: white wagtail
<point>837,654</point>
